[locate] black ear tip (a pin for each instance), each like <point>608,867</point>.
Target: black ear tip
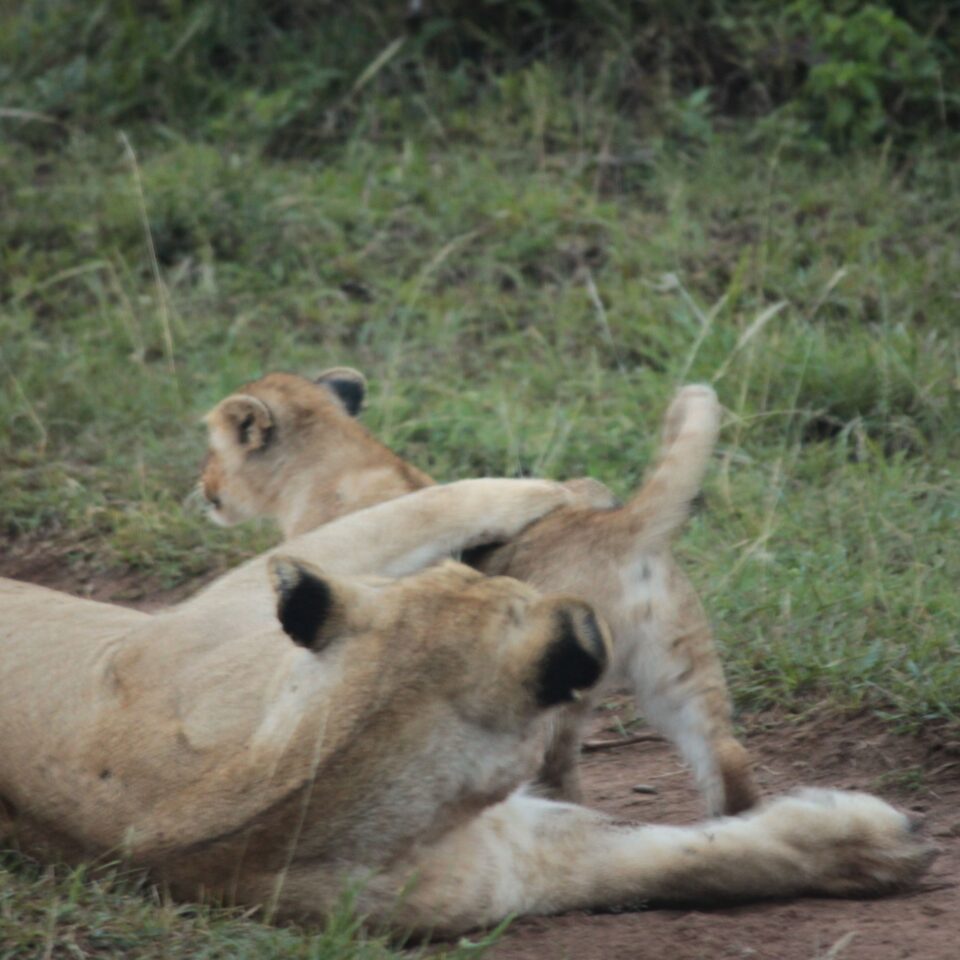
<point>303,611</point>
<point>575,659</point>
<point>304,602</point>
<point>348,385</point>
<point>351,394</point>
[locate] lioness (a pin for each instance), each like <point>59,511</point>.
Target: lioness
<point>289,448</point>
<point>266,744</point>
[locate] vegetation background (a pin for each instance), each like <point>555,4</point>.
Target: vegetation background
<point>527,222</point>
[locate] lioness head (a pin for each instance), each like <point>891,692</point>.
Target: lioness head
<point>525,652</point>
<point>446,677</point>
<point>258,435</point>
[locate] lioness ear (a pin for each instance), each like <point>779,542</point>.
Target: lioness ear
<point>250,419</point>
<point>575,656</point>
<point>312,608</point>
<point>349,386</point>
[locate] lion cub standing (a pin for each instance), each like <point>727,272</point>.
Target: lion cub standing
<point>289,448</point>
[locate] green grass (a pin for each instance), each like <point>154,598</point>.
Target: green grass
<point>514,316</point>
<point>60,913</point>
<point>525,282</point>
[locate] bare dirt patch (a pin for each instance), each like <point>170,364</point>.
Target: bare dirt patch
<point>858,753</point>
<point>62,567</point>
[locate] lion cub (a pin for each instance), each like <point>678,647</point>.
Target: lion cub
<point>289,448</point>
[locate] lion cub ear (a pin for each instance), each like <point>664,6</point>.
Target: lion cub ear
<point>349,386</point>
<point>312,608</point>
<point>249,419</point>
<point>575,655</point>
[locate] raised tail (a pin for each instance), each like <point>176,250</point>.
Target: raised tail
<point>690,429</point>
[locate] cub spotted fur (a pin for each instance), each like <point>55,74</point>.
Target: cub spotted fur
<point>290,448</point>
<point>295,728</point>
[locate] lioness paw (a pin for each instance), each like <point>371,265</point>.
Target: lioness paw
<point>848,843</point>
<point>592,493</point>
<point>503,507</point>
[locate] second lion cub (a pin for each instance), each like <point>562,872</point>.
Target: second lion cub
<point>289,448</point>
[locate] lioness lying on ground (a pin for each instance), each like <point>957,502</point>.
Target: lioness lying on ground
<point>289,448</point>
<point>266,745</point>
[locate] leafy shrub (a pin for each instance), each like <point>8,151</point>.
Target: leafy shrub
<point>290,73</point>
<point>870,72</point>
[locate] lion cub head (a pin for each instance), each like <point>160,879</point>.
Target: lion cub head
<point>282,445</point>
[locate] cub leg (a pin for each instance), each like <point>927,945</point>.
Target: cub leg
<point>666,653</point>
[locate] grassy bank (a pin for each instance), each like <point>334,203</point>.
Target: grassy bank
<point>104,913</point>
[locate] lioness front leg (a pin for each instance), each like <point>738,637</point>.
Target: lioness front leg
<point>559,775</point>
<point>533,856</point>
<point>409,533</point>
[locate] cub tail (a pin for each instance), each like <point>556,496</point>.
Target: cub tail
<point>661,506</point>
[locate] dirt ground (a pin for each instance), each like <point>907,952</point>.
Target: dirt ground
<point>825,751</point>
<point>920,775</point>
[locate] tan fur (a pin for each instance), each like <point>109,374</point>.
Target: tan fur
<point>349,471</point>
<point>383,750</point>
<point>321,463</point>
